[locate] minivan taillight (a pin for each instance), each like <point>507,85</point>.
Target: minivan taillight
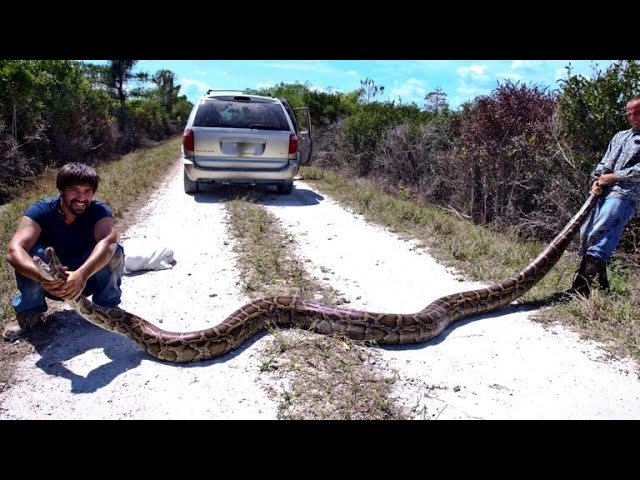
<point>293,143</point>
<point>188,141</point>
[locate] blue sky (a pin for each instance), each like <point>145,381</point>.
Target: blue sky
<point>404,80</point>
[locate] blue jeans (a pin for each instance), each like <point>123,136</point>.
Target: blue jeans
<point>600,234</point>
<point>104,285</point>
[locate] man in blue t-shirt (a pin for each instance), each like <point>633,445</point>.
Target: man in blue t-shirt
<point>81,231</point>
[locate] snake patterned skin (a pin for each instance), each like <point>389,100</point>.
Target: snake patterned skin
<point>381,328</point>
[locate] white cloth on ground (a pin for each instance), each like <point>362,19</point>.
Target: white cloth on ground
<point>140,255</point>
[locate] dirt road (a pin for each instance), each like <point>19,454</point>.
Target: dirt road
<point>495,366</point>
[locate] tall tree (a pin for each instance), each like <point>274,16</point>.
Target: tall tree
<point>369,90</point>
<point>436,101</point>
<point>167,89</point>
<point>120,72</point>
<point>119,76</point>
<point>17,85</point>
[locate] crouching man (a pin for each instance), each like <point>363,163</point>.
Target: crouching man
<point>82,233</point>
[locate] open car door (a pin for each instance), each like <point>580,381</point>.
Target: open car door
<point>305,144</point>
<point>301,119</point>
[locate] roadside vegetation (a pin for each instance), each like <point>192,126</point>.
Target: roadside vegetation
<point>58,111</point>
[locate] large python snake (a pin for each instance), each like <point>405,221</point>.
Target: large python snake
<point>382,328</point>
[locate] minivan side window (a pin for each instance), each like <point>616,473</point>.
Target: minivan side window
<point>291,113</point>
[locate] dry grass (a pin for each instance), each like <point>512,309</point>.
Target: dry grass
<point>266,260</point>
<point>609,319</point>
<point>322,377</point>
<point>329,378</point>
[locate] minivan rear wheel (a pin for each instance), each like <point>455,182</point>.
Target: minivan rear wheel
<point>285,188</point>
<point>189,185</point>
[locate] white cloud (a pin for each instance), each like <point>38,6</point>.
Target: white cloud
<point>412,90</point>
<point>530,64</point>
<point>352,73</point>
<point>560,73</point>
<point>195,85</point>
<point>472,82</point>
<point>318,88</point>
<point>475,72</point>
<point>262,85</point>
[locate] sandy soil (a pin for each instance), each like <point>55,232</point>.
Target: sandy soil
<point>496,366</point>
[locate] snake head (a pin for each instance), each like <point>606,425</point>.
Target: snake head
<point>43,268</point>
<point>53,270</point>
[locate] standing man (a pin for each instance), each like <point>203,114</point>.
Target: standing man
<point>617,182</point>
<point>81,231</point>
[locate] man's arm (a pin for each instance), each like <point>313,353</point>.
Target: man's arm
<point>603,174</point>
<point>18,256</point>
<point>106,237</point>
<point>630,174</point>
<point>22,241</point>
<point>609,157</point>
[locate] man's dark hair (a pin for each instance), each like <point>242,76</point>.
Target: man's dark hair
<point>77,174</point>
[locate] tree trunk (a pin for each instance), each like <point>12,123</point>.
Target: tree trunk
<point>14,124</point>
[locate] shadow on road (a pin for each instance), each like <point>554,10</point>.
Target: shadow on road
<point>509,309</point>
<point>66,336</point>
<point>260,194</point>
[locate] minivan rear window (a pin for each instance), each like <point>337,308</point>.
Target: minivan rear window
<point>241,114</point>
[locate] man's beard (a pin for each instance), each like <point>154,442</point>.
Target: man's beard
<point>77,208</point>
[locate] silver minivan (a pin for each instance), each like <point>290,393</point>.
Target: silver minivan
<point>242,139</point>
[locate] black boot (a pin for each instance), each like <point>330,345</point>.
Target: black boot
<point>603,280</point>
<point>590,268</point>
<point>580,285</point>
